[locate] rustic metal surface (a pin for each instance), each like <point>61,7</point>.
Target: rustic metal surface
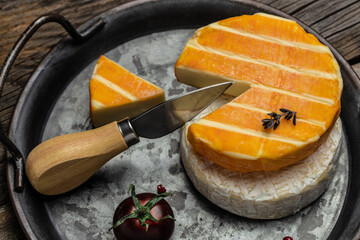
<point>87,212</point>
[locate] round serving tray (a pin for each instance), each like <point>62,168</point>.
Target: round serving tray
<point>146,37</point>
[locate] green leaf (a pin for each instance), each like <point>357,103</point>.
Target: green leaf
<point>168,216</point>
<point>151,217</point>
<point>121,220</point>
<point>156,199</point>
<point>136,201</point>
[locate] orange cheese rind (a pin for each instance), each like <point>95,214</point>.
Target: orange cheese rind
<point>274,64</point>
<point>115,93</point>
<point>263,194</point>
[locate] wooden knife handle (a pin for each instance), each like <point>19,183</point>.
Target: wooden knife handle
<point>63,163</point>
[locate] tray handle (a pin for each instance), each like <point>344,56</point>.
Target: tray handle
<point>10,59</point>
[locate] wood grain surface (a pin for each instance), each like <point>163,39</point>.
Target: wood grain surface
<point>337,20</point>
<point>58,165</point>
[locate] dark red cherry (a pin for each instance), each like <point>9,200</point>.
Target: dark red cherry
<point>160,189</point>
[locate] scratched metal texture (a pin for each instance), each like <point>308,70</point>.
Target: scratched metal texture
<point>87,212</point>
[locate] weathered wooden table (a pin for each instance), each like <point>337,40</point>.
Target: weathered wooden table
<point>337,20</point>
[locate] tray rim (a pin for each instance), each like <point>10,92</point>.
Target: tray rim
<point>23,221</point>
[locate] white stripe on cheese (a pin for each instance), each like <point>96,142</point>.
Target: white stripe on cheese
<point>222,78</point>
<point>274,17</point>
<point>232,128</point>
<point>231,153</point>
<point>115,87</point>
<point>305,46</point>
<point>96,104</point>
<point>194,44</point>
<point>256,109</point>
<point>239,155</point>
<point>305,96</point>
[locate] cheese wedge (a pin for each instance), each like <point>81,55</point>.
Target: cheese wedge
<point>264,194</point>
<point>115,93</point>
<point>274,64</point>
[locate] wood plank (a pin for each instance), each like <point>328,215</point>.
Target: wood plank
<point>6,115</point>
<point>342,29</point>
<point>319,10</point>
<point>4,197</point>
<point>348,42</point>
<point>12,233</point>
<point>356,68</point>
<point>9,99</point>
<point>9,227</point>
<point>291,6</point>
<point>5,216</point>
<point>339,21</point>
<point>268,2</point>
<point>3,161</point>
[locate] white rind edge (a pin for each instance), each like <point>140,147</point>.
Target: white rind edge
<point>229,191</point>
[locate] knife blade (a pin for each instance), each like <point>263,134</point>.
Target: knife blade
<point>61,164</point>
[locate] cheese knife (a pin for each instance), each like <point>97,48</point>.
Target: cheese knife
<point>62,163</point>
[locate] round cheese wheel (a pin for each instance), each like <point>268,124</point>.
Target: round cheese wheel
<point>274,64</point>
<point>264,194</point>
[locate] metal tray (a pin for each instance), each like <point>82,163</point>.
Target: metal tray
<point>146,37</point>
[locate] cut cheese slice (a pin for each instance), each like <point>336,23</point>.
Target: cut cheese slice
<point>264,195</point>
<point>115,93</point>
<point>274,64</point>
